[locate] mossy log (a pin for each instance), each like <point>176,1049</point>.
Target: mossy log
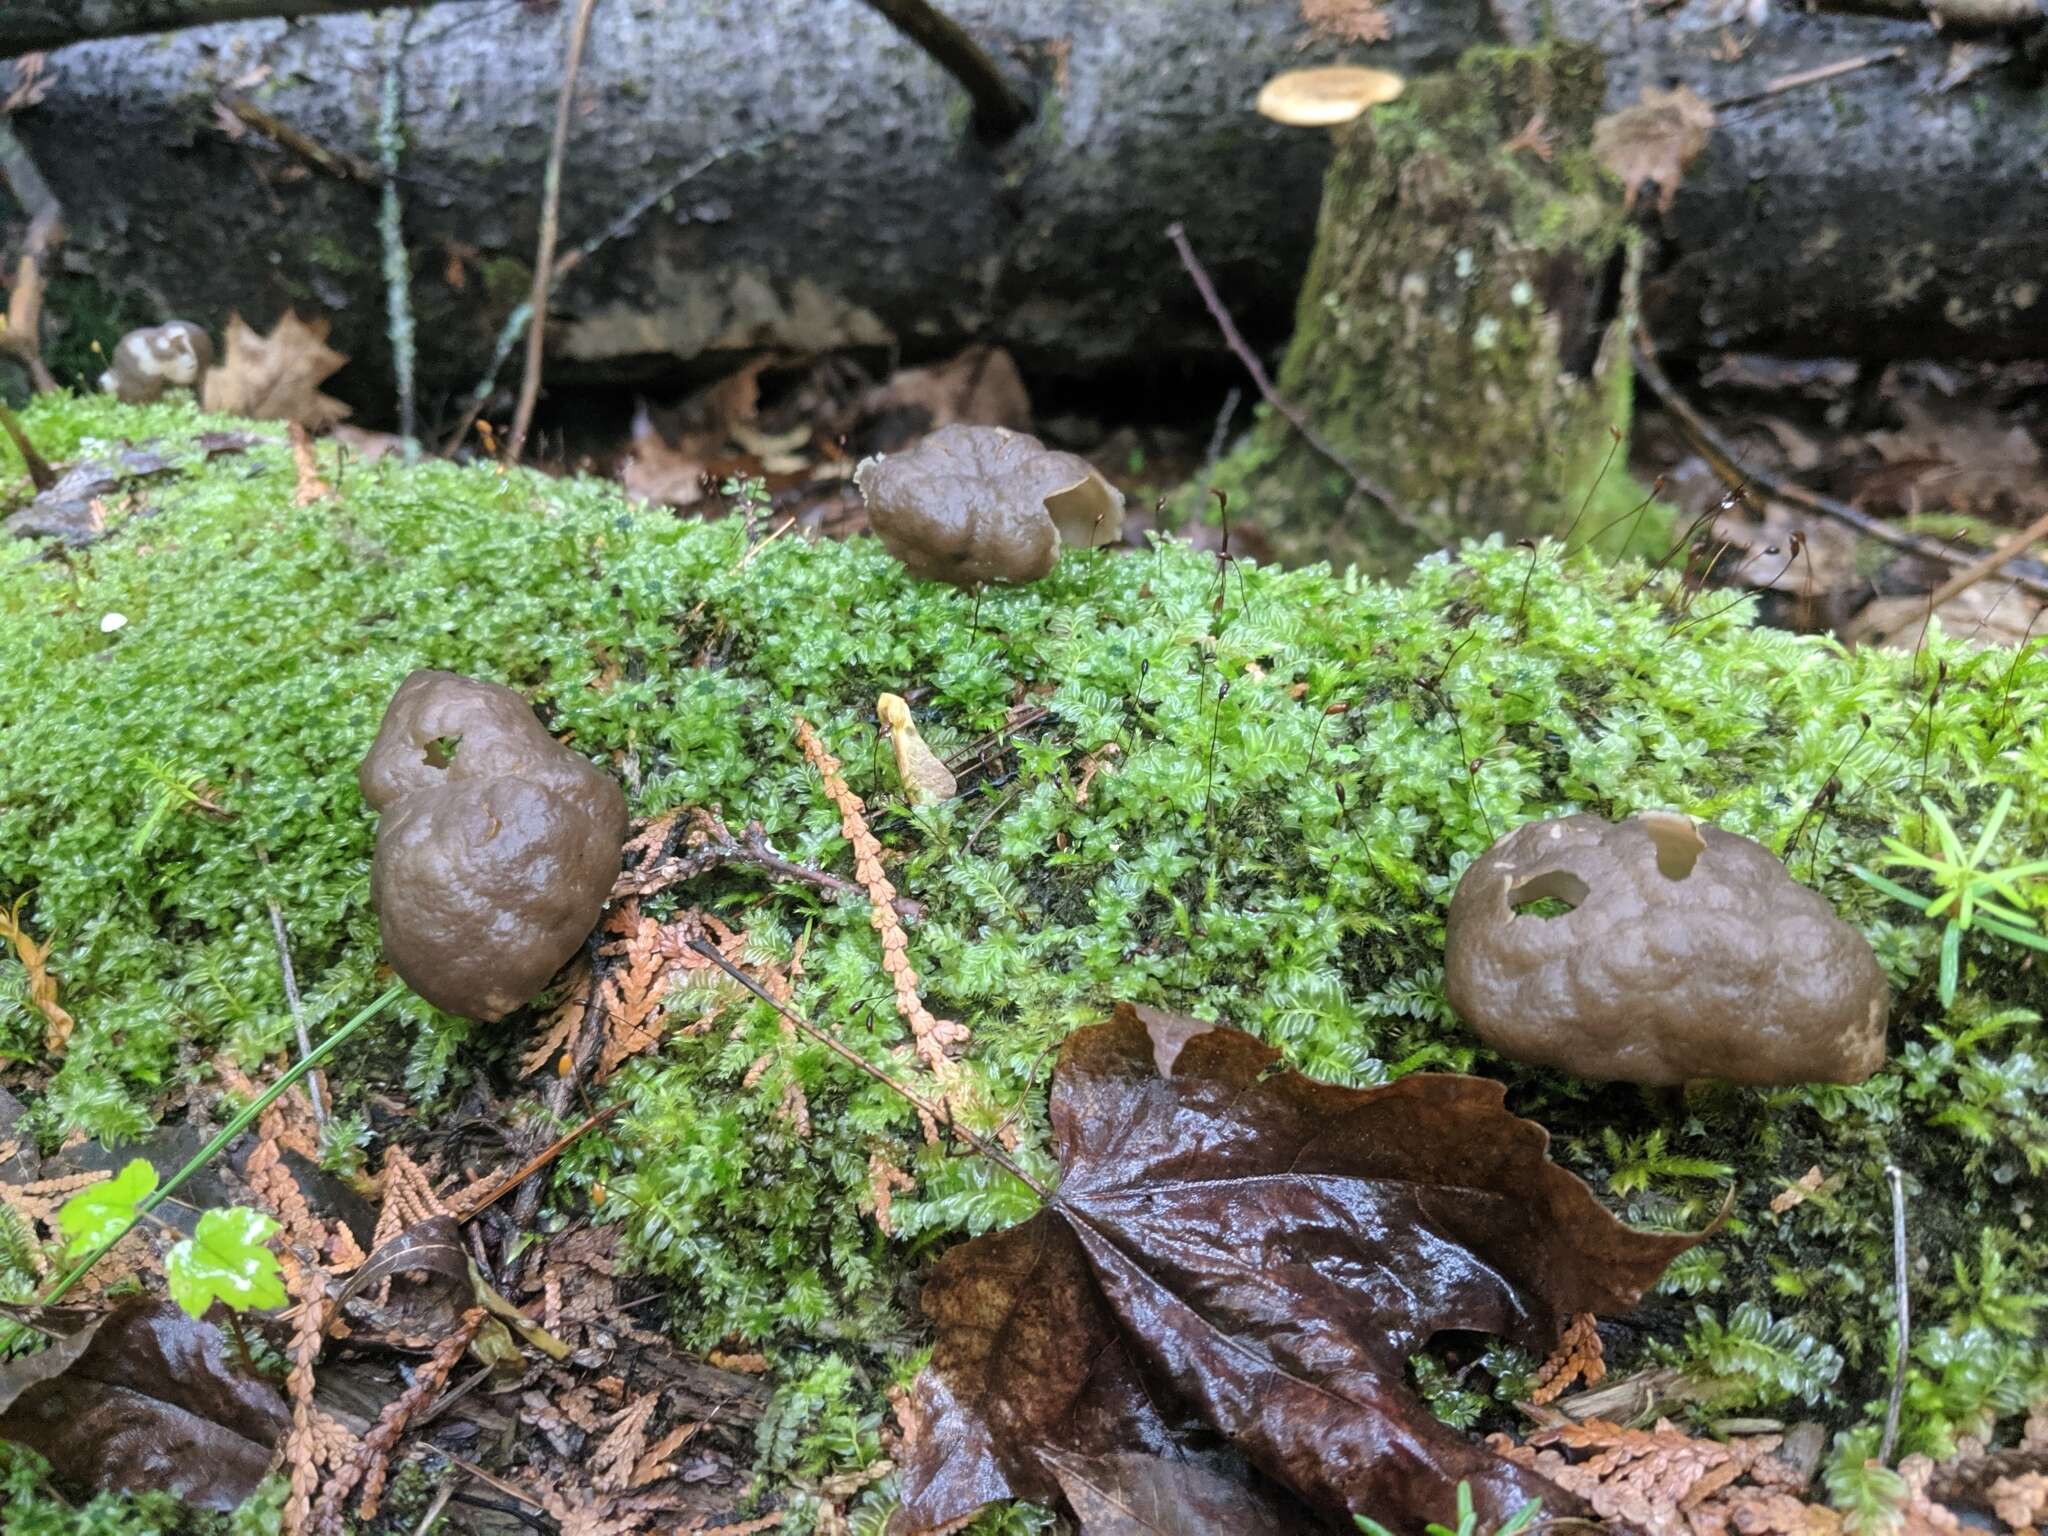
<point>1461,338</point>
<point>1848,217</point>
<point>1279,853</point>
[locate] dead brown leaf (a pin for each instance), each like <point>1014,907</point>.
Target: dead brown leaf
<point>42,986</point>
<point>277,377</point>
<point>1797,1192</point>
<point>1965,456</point>
<point>145,1397</point>
<point>1235,1250</point>
<point>663,473</point>
<point>980,386</point>
<point>1654,140</point>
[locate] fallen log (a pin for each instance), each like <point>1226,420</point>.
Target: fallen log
<point>1872,215</point>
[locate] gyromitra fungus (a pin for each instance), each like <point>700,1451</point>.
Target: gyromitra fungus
<point>1326,96</point>
<point>1686,952</point>
<point>496,848</point>
<point>174,355</point>
<point>975,504</point>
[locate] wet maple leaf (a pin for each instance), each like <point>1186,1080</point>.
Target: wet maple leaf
<point>1654,140</point>
<point>277,377</point>
<point>1236,1266</point>
<point>144,1397</point>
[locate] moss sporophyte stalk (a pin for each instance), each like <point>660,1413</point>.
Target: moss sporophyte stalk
<point>1302,773</point>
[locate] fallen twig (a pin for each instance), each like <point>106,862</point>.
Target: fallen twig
<point>710,844</point>
<point>373,1455</point>
<point>338,163</point>
<point>1985,565</point>
<point>550,218</point>
<point>23,338</point>
<point>1802,77</point>
<point>1379,493</point>
<point>1948,15</point>
<point>999,109</point>
<point>534,1164</point>
<point>1721,454</point>
<point>516,322</point>
<point>1905,1307</point>
<point>40,475</point>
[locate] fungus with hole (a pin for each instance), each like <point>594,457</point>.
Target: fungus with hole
<point>970,505</point>
<point>146,362</point>
<point>496,845</point>
<point>1658,950</point>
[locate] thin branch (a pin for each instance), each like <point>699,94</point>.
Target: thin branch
<point>40,475</point>
<point>1726,461</point>
<point>550,218</point>
<point>1000,110</point>
<point>23,337</point>
<point>715,846</point>
<point>1379,493</point>
<point>338,163</point>
<point>538,1161</point>
<point>35,26</point>
<point>1985,565</point>
<point>1804,77</point>
<point>515,324</point>
<point>1948,15</point>
<point>1891,1413</point>
<point>910,1096</point>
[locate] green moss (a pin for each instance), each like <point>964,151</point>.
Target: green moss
<point>1252,855</point>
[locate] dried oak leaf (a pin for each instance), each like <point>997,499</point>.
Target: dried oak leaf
<point>1238,1252</point>
<point>144,1397</point>
<point>277,377</point>
<point>1654,140</point>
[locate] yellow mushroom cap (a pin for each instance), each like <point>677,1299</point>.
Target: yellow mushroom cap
<point>1324,97</point>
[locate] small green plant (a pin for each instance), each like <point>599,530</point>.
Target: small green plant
<point>1641,1161</point>
<point>1468,1519</point>
<point>170,790</point>
<point>1969,895</point>
<point>226,1259</point>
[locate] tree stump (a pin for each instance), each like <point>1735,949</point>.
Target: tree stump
<point>1462,334</point>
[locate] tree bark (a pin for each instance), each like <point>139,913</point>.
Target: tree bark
<point>31,26</point>
<point>1870,216</point>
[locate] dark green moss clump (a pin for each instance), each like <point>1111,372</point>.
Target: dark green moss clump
<point>1304,768</point>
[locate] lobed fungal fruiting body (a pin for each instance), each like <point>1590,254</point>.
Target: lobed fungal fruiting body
<point>496,846</point>
<point>1687,952</point>
<point>970,505</point>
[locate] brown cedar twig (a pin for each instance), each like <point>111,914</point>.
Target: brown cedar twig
<point>1891,1413</point>
<point>917,1101</point>
<point>1379,493</point>
<point>999,110</point>
<point>550,220</point>
<point>1721,454</point>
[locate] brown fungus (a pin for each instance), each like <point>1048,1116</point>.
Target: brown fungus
<point>496,845</point>
<point>147,362</point>
<point>970,505</point>
<point>1658,950</point>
